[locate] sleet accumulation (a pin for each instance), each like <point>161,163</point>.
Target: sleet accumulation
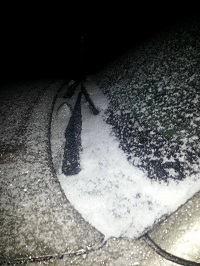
<point>154,110</point>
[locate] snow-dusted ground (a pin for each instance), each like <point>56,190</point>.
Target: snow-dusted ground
<point>35,217</point>
<point>114,196</point>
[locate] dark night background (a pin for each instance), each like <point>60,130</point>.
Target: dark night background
<point>40,43</point>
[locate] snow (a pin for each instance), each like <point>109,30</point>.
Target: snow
<point>114,196</point>
<point>140,155</point>
<point>36,219</point>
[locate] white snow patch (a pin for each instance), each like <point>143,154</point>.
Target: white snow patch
<point>115,197</point>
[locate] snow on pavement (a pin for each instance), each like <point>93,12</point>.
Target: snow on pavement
<point>35,217</point>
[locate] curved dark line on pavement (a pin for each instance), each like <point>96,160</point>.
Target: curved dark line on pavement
<point>24,261</point>
<point>166,255</point>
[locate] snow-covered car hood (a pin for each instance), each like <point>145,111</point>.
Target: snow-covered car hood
<point>113,209</point>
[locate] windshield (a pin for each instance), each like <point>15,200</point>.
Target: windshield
<point>158,125</point>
